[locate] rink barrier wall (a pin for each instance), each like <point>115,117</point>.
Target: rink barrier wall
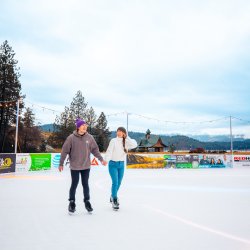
<point>23,162</point>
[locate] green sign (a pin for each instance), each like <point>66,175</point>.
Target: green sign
<point>40,162</point>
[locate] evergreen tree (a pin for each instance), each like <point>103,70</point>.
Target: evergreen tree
<point>63,127</point>
<point>28,118</point>
<point>78,107</point>
<point>29,136</point>
<point>102,132</point>
<point>10,92</point>
<point>65,123</point>
<point>172,148</point>
<point>90,119</point>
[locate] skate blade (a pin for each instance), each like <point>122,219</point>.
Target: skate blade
<point>71,213</point>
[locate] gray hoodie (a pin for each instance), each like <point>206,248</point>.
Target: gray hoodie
<point>79,148</point>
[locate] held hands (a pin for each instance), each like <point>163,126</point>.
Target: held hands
<point>104,163</point>
<point>60,168</point>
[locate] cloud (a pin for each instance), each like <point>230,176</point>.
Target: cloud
<point>170,60</point>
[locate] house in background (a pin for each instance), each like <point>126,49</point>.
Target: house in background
<point>151,144</point>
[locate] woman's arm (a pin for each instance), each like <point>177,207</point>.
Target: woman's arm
<point>110,150</point>
<point>130,143</point>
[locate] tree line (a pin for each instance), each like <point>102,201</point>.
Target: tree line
<point>30,137</point>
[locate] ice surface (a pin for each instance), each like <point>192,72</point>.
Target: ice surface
<point>159,209</point>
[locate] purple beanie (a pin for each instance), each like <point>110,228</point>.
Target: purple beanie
<point>79,123</point>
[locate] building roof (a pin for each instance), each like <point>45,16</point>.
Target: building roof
<point>155,141</point>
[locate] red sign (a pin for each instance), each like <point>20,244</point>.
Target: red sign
<point>241,158</point>
<point>94,162</point>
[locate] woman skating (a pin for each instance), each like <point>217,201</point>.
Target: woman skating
<point>116,156</point>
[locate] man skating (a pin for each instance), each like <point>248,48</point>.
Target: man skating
<point>79,145</point>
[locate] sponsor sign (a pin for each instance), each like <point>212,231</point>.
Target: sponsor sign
<point>147,161</point>
<point>242,160</point>
<point>214,161</point>
<point>40,162</point>
<point>55,160</point>
<point>187,161</point>
<point>170,161</point>
<point>7,163</point>
<point>23,162</point>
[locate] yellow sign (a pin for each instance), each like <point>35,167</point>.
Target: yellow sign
<point>5,163</point>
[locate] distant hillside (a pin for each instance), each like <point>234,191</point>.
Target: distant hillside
<point>182,142</point>
<point>213,138</point>
<point>47,127</point>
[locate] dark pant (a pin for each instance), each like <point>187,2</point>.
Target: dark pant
<point>85,183</point>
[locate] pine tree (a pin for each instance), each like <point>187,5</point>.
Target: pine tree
<point>10,92</point>
<point>29,136</point>
<point>63,127</point>
<point>78,107</point>
<point>65,123</point>
<point>90,119</point>
<point>28,118</point>
<point>102,132</point>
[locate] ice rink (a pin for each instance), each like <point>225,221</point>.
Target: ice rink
<point>184,209</point>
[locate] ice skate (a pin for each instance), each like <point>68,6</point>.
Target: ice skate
<point>115,204</point>
<point>111,200</point>
<point>72,207</point>
<point>88,206</point>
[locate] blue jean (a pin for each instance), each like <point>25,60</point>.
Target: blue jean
<point>116,171</point>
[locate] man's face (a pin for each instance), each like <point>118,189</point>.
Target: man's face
<point>82,129</point>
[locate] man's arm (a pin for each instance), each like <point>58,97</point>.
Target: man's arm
<point>95,151</point>
<point>65,151</point>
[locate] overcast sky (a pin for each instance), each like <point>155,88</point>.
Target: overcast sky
<point>169,60</point>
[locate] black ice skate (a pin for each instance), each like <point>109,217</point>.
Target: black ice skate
<point>111,200</point>
<point>88,206</point>
<point>72,207</point>
<point>115,204</point>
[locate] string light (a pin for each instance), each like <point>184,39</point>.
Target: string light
<point>176,122</point>
<point>43,108</point>
<point>7,104</point>
<point>241,119</point>
<point>4,104</point>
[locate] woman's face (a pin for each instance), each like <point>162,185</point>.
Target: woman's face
<point>120,134</point>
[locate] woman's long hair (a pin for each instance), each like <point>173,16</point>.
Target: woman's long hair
<point>123,139</point>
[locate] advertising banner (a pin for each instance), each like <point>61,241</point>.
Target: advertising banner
<point>214,161</point>
<point>7,163</point>
<point>40,162</point>
<point>180,161</point>
<point>187,161</point>
<point>242,160</point>
<point>170,161</point>
<point>55,160</point>
<point>23,162</point>
<point>146,161</point>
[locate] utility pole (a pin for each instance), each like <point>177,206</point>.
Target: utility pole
<point>231,138</point>
<point>17,118</point>
<point>127,122</point>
